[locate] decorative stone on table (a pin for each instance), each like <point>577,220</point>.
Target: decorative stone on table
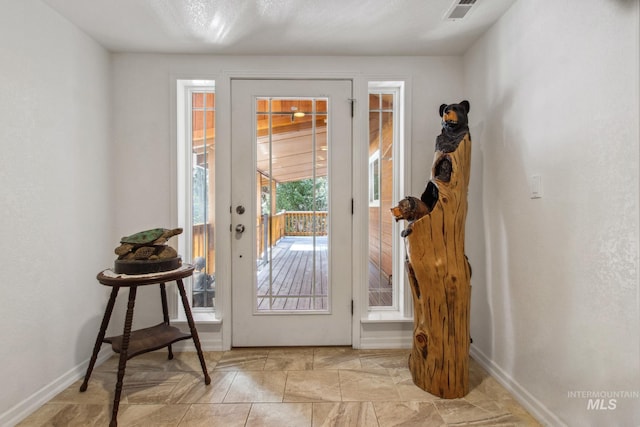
<point>438,270</point>
<point>147,252</point>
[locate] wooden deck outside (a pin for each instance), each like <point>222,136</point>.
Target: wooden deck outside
<point>294,286</point>
<point>380,294</point>
<point>292,272</point>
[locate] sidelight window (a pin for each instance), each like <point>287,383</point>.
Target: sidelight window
<point>385,166</point>
<point>196,187</point>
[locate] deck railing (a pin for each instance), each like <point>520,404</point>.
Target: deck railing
<point>305,223</point>
<point>299,223</point>
<point>277,223</point>
<point>204,245</point>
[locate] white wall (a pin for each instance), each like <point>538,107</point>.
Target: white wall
<point>554,91</point>
<point>56,201</point>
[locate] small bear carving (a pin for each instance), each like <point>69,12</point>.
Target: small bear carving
<point>409,209</point>
<point>455,124</point>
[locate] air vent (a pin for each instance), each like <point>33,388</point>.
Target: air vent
<point>459,9</point>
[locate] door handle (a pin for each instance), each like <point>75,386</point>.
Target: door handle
<point>240,228</point>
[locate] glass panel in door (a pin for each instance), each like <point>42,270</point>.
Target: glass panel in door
<point>292,184</point>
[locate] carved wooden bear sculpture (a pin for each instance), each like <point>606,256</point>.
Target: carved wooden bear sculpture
<point>437,267</point>
<point>455,126</point>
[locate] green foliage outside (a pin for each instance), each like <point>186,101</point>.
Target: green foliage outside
<point>200,185</point>
<point>298,195</point>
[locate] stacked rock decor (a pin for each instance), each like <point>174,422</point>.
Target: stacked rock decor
<point>147,252</point>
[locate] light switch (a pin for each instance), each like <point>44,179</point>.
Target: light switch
<point>536,186</point>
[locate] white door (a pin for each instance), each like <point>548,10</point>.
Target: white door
<point>291,213</point>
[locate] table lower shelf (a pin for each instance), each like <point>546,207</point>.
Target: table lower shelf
<point>148,339</point>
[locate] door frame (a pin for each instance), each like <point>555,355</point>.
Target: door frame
<point>360,183</point>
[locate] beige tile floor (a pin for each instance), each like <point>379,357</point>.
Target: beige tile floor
<point>325,386</point>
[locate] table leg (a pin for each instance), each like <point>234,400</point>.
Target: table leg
<point>101,333</point>
<point>126,335</point>
<point>194,332</point>
<point>165,312</point>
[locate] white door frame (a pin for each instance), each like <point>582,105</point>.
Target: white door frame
<point>359,182</point>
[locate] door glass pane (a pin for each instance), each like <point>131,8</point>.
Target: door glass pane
<point>203,207</point>
<point>292,193</point>
<point>381,136</point>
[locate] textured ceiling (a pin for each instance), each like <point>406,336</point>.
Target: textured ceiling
<point>281,27</point>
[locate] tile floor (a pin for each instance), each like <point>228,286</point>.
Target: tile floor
<point>324,386</point>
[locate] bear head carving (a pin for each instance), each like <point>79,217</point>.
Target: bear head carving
<point>454,116</point>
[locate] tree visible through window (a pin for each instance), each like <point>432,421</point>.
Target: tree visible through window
<point>300,195</point>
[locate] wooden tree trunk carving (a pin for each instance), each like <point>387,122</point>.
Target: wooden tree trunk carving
<point>438,270</point>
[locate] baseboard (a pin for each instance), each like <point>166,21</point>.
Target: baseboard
<point>385,334</point>
<point>207,344</point>
<point>526,399</point>
<point>379,343</point>
<point>32,403</point>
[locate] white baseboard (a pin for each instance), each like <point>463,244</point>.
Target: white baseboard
<point>385,342</point>
<point>385,334</point>
<point>32,403</point>
<point>207,344</point>
<point>526,399</point>
<point>378,344</point>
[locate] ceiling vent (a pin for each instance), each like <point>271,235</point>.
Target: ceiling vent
<point>459,9</point>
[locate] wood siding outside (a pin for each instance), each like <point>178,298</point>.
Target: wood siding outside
<point>380,218</point>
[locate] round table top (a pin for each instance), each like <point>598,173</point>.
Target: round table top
<point>110,278</point>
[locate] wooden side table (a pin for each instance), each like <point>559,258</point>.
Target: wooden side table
<point>133,343</point>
